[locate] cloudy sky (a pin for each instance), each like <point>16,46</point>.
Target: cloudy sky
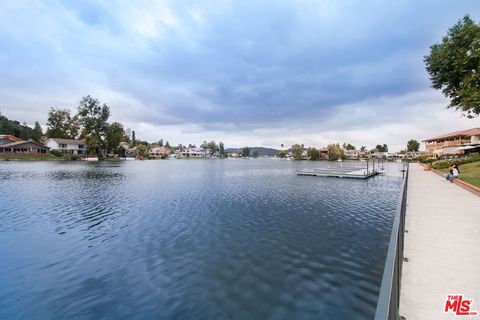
<point>256,72</point>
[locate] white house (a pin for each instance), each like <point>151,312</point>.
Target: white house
<point>67,146</point>
<point>194,153</point>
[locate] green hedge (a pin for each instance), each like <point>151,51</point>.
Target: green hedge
<point>424,158</point>
<point>442,164</point>
<point>56,152</point>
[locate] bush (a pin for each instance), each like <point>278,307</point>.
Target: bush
<point>73,157</point>
<point>56,153</point>
<point>442,164</point>
<point>424,158</point>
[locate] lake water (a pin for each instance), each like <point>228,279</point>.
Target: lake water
<point>191,239</point>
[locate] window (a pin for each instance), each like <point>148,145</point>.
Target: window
<point>62,146</point>
<point>80,146</point>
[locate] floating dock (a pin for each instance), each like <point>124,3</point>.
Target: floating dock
<point>354,173</point>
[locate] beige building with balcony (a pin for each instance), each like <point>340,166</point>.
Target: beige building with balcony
<point>454,143</point>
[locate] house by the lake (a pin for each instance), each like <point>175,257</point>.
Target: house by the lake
<point>194,153</point>
<point>454,143</point>
<point>16,146</point>
<point>67,146</point>
<point>159,152</point>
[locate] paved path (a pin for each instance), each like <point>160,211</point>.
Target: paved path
<point>442,246</point>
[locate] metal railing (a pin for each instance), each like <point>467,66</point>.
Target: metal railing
<point>389,297</point>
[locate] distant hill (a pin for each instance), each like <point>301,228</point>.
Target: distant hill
<point>15,128</point>
<point>261,151</point>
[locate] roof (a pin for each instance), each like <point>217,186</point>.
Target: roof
<point>468,133</point>
<point>17,143</point>
<point>67,141</point>
<point>9,137</point>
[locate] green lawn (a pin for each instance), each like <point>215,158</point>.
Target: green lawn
<point>469,172</point>
<point>28,158</point>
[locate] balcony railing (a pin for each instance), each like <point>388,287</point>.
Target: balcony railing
<point>389,298</point>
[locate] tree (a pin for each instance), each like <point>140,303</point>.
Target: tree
<point>14,128</point>
<point>381,148</point>
<point>334,152</point>
<point>212,147</point>
<point>246,152</point>
<point>167,145</point>
<point>349,146</point>
<point>113,135</point>
<point>37,132</point>
<point>363,149</point>
<point>454,66</point>
<point>134,140</point>
<point>413,145</point>
<point>297,152</point>
<point>142,151</point>
<point>283,154</point>
<point>60,124</point>
<point>160,143</point>
<point>221,148</point>
<point>94,118</point>
<point>255,154</point>
<point>313,153</point>
<point>120,151</point>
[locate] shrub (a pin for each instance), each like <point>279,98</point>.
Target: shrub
<point>56,153</point>
<point>73,157</point>
<point>442,164</point>
<point>424,157</point>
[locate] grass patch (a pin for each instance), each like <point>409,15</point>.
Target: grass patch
<point>469,172</point>
<point>28,158</point>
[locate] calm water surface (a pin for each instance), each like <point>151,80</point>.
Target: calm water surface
<point>226,239</point>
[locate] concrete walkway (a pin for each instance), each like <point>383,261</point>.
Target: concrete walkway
<point>442,246</point>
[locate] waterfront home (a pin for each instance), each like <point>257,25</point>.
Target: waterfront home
<point>67,146</point>
<point>159,152</point>
<point>378,155</point>
<point>194,153</point>
<point>352,154</point>
<point>26,148</point>
<point>454,143</point>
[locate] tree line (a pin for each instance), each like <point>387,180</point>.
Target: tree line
<point>20,130</point>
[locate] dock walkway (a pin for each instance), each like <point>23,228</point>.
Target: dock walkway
<point>355,172</point>
<point>442,247</point>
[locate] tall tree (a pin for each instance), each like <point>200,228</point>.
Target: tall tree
<point>94,118</point>
<point>221,148</point>
<point>313,153</point>
<point>160,143</point>
<point>334,152</point>
<point>37,132</point>
<point>61,124</point>
<point>454,66</point>
<point>134,140</point>
<point>297,151</point>
<point>413,145</point>
<point>114,134</point>
<point>167,145</point>
<point>246,152</point>
<point>255,154</point>
<point>381,148</point>
<point>212,147</point>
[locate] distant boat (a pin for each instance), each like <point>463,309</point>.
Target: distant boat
<point>91,159</point>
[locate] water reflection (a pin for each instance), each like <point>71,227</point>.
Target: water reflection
<point>191,239</point>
